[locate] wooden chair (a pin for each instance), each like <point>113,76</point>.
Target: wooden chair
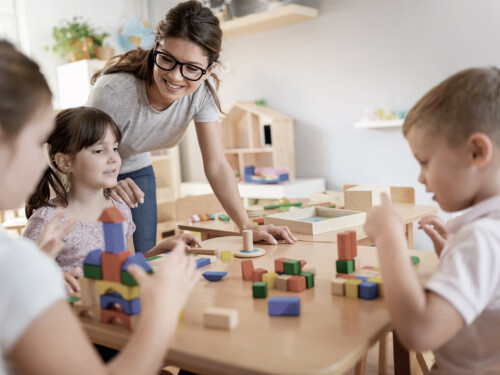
<point>13,220</point>
<point>196,204</point>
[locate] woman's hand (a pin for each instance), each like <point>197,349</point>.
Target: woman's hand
<point>50,241</point>
<point>435,228</point>
<point>127,191</point>
<point>270,233</point>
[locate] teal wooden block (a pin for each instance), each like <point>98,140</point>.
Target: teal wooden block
<point>345,266</point>
<point>291,267</point>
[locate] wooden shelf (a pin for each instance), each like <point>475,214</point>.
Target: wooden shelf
<point>267,20</point>
<point>365,124</point>
<point>247,150</point>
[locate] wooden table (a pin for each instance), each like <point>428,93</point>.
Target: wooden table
<point>329,337</point>
<point>408,212</point>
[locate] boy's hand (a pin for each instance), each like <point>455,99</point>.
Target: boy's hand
<point>50,241</point>
<point>383,221</point>
<point>435,228</point>
<point>166,291</point>
<point>189,240</point>
<point>71,277</point>
<point>127,191</point>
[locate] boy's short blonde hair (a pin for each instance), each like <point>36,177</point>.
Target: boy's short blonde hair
<point>465,103</point>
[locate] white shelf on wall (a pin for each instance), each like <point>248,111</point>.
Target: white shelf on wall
<point>365,124</point>
<point>267,20</point>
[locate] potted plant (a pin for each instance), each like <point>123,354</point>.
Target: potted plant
<point>77,39</point>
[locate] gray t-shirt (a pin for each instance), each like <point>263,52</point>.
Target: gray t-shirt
<point>144,129</point>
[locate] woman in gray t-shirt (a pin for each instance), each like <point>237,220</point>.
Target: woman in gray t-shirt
<point>153,95</point>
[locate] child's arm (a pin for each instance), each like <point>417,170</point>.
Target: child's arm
<point>423,320</point>
<point>168,244</point>
<point>56,344</point>
<point>435,228</point>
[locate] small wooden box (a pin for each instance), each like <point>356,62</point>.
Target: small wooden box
<point>364,197</point>
<point>315,220</point>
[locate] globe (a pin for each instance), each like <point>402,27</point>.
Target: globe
<point>133,32</point>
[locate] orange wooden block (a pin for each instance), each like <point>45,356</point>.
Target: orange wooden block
<point>278,264</point>
<point>111,265</point>
<point>246,269</point>
<point>296,283</point>
<point>345,276</point>
<point>112,215</point>
<point>111,315</point>
<point>344,246</point>
<point>302,264</point>
<point>354,243</point>
<point>257,274</point>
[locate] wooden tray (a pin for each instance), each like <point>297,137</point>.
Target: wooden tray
<point>315,220</point>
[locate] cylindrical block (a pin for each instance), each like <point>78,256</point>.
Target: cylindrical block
<point>247,240</point>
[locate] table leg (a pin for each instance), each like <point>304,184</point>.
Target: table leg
<point>360,367</point>
<point>383,350</point>
<point>403,360</point>
<point>410,235</point>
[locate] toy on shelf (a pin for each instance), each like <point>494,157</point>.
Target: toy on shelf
<point>201,217</point>
<point>265,175</point>
<point>106,282</point>
<point>248,250</point>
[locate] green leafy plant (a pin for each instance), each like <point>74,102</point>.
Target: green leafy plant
<point>76,36</point>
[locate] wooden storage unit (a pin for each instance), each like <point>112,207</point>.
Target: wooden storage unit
<point>166,166</point>
<point>259,136</point>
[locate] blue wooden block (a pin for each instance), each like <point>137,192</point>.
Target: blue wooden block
<point>201,262</point>
<point>367,290</point>
<point>284,306</point>
<point>114,237</point>
<point>364,278</point>
<point>213,275</point>
<point>139,260</point>
<point>131,307</point>
<point>93,258</point>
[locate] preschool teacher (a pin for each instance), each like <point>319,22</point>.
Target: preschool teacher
<point>153,95</point>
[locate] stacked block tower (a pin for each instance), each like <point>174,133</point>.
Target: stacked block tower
<point>107,287</point>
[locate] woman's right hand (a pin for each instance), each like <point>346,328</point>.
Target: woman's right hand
<point>127,191</point>
<point>435,228</point>
<point>166,291</point>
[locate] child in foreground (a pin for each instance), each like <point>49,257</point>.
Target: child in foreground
<point>454,134</point>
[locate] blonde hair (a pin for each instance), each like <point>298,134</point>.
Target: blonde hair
<point>465,103</point>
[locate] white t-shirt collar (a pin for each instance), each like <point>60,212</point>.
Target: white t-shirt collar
<point>483,208</point>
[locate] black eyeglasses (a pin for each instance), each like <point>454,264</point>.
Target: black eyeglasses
<point>166,62</point>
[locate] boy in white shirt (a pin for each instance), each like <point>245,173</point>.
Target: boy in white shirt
<point>454,133</point>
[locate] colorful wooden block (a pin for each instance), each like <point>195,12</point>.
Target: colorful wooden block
<point>247,269</point>
<point>362,278</point>
<point>223,217</point>
<point>338,286</point>
<point>214,275</point>
<point>127,278</point>
<point>309,279</point>
<point>92,272</point>
<point>112,215</point>
<point>283,306</point>
<point>278,264</point>
<point>93,258</point>
<point>354,243</point>
<point>377,268</point>
<point>139,260</point>
<point>345,276</point>
<point>129,307</point>
<point>226,255</point>
<point>296,284</point>
<point>345,266</point>
<point>368,290</point>
<point>415,260</point>
<point>127,292</point>
<point>344,246</point>
<point>291,267</point>
<point>259,289</point>
<point>257,274</point>
<point>112,265</point>
<point>282,282</point>
<point>270,279</point>
<point>380,285</point>
<point>114,237</point>
<point>202,262</point>
<point>369,268</point>
<point>111,315</point>
<point>351,288</point>
<point>221,318</point>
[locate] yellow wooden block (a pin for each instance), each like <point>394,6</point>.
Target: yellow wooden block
<point>226,255</point>
<point>380,284</point>
<point>351,288</point>
<point>377,268</point>
<point>127,292</point>
<point>270,279</point>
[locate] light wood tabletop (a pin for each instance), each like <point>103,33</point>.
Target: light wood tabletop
<point>330,336</point>
<point>408,212</point>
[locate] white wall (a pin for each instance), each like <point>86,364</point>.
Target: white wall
<point>41,16</point>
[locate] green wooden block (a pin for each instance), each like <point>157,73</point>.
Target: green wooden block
<point>415,260</point>
<point>72,299</point>
<point>291,267</point>
<point>259,289</point>
<point>223,217</point>
<point>153,258</point>
<point>127,278</point>
<point>309,279</point>
<point>92,272</point>
<point>345,266</point>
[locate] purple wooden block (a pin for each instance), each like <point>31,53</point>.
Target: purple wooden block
<point>364,278</point>
<point>114,238</point>
<point>367,290</point>
<point>200,262</point>
<point>138,259</point>
<point>93,258</point>
<point>213,275</point>
<point>131,307</point>
<point>284,306</point>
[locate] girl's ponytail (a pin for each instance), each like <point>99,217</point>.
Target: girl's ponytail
<point>50,183</point>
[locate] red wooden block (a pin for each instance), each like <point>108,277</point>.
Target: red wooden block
<point>302,264</point>
<point>112,215</point>
<point>344,246</point>
<point>111,265</point>
<point>278,264</point>
<point>246,269</point>
<point>367,268</point>
<point>296,283</point>
<point>110,315</point>
<point>345,276</point>
<point>257,274</point>
<point>354,243</point>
